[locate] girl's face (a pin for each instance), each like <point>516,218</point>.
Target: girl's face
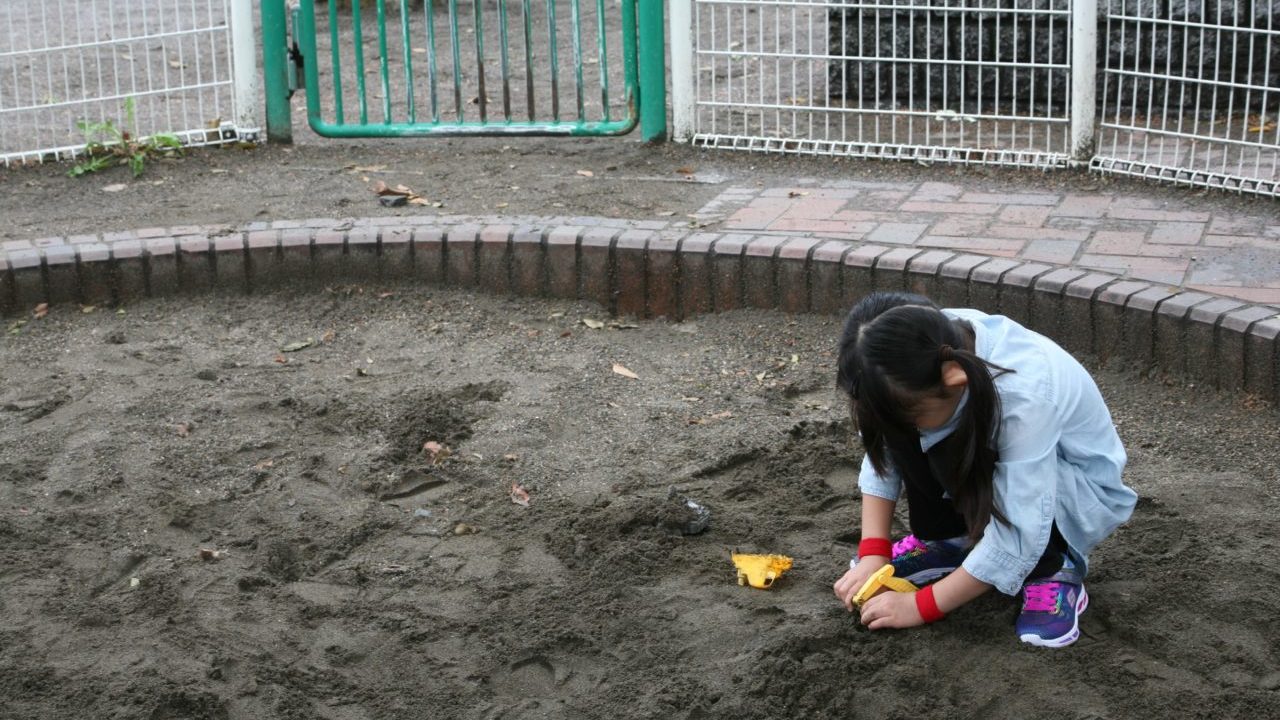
<point>932,411</point>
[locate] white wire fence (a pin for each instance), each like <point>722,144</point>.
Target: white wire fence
<point>985,81</point>
<point>1191,93</point>
<point>146,67</point>
<point>1181,90</point>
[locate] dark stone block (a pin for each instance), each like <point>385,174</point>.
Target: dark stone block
<point>631,272</point>
<point>858,277</point>
<point>726,272</point>
<point>493,259</point>
<point>97,276</point>
<point>562,262</point>
<point>663,279</point>
<point>695,274</point>
<point>826,278</point>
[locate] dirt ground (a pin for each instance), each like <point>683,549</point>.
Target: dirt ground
<point>354,574</point>
<point>490,177</point>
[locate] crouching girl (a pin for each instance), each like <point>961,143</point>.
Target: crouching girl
<point>1006,455</point>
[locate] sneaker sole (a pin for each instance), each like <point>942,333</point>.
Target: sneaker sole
<point>1065,640</point>
<point>927,576</point>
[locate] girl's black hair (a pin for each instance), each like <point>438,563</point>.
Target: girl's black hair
<point>890,356</point>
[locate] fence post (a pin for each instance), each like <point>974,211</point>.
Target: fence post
<point>682,93</point>
<point>653,76</point>
<point>246,81</point>
<point>1084,78</point>
<point>275,48</point>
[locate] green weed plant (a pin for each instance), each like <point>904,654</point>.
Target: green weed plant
<point>108,144</point>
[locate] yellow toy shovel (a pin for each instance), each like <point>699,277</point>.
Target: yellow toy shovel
<point>759,571</point>
<point>880,581</point>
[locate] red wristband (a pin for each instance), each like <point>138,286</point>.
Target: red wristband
<point>927,606</point>
<point>875,546</point>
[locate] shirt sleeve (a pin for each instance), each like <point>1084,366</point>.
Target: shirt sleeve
<point>1024,484</point>
<point>870,482</point>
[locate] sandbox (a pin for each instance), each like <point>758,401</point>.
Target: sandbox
<point>302,506</point>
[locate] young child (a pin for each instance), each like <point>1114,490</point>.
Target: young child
<point>1005,451</point>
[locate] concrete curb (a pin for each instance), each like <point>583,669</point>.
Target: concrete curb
<point>637,270</point>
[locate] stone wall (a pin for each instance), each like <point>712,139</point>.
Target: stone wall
<point>899,30</point>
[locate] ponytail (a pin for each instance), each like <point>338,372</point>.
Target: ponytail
<point>977,435</point>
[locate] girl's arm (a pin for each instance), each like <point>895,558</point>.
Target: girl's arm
<point>877,516</point>
<point>957,589</point>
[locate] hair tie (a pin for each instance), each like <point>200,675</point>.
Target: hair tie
<point>946,352</point>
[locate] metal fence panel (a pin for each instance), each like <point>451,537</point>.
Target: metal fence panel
<point>63,62</point>
<point>401,67</point>
<point>1191,93</point>
<point>970,81</point>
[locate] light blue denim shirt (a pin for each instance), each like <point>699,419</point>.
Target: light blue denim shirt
<point>1060,455</point>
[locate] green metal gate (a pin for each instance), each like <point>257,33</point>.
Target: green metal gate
<point>405,68</point>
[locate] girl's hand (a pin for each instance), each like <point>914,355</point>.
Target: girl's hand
<point>891,610</point>
<point>851,582</point>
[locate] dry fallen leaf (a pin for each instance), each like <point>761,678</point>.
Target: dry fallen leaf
<point>593,324</point>
<point>511,457</point>
<point>624,372</point>
<point>586,173</point>
<point>264,464</point>
<point>328,336</point>
<point>438,452</point>
<point>41,310</point>
<point>684,170</point>
<point>211,555</point>
<point>519,495</point>
<point>281,359</point>
<point>86,309</point>
<point>396,195</point>
<point>184,429</point>
<point>566,334</point>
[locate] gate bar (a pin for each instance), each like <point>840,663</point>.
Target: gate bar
<point>275,49</point>
<point>653,78</point>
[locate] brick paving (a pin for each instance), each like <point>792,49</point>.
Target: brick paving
<point>1225,254</point>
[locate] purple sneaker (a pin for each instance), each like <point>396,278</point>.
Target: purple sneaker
<point>1051,609</point>
<point>923,561</point>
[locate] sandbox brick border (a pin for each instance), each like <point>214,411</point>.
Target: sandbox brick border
<point>637,269</point>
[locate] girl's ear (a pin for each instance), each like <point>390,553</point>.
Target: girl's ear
<point>953,376</point>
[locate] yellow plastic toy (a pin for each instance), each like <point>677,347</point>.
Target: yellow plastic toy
<point>880,581</point>
<point>759,571</point>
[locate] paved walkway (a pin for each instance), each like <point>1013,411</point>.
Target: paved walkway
<point>1174,244</point>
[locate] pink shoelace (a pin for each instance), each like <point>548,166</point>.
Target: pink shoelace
<point>1041,597</point>
<point>906,545</point>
